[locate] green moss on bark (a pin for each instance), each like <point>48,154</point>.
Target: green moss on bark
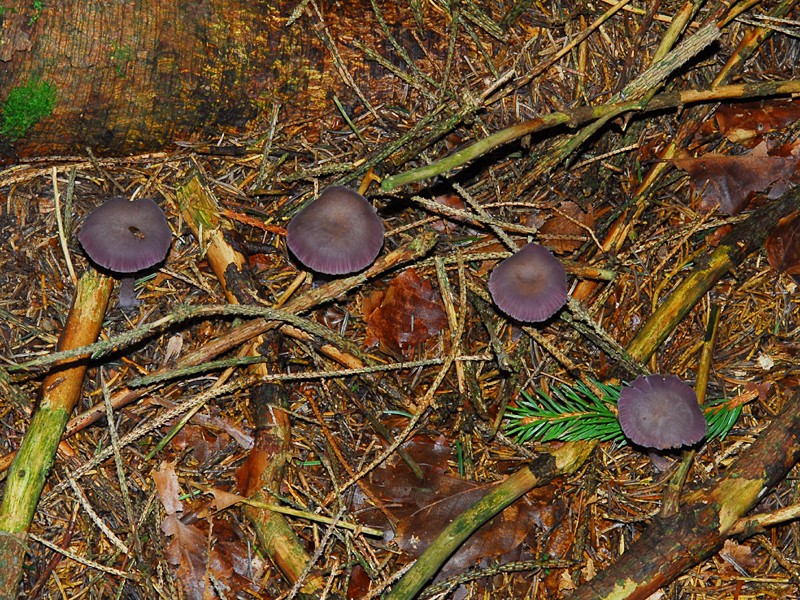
<point>24,106</point>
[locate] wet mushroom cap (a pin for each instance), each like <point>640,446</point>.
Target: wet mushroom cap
<point>126,236</point>
<point>530,286</point>
<point>336,234</point>
<point>661,412</point>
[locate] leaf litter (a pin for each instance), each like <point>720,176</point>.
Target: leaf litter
<point>440,497</point>
<point>651,237</point>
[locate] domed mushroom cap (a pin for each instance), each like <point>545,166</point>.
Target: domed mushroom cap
<point>529,286</point>
<point>126,236</point>
<point>337,233</point>
<point>661,412</point>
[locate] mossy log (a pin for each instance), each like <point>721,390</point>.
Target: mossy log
<point>134,76</point>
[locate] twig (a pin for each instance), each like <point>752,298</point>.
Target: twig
<point>540,471</point>
<point>178,315</point>
<point>84,561</point>
<point>62,234</point>
<point>743,239</point>
<point>95,518</point>
<point>60,392</point>
<point>310,516</point>
<point>302,376</point>
<point>586,114</point>
<point>463,215</point>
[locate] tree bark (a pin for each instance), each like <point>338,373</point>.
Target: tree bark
<point>136,75</point>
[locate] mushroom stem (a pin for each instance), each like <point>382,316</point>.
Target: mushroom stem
<point>127,294</point>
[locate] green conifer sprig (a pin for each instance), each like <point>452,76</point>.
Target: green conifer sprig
<point>576,412</point>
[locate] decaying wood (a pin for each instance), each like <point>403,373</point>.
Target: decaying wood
<point>61,390</point>
<point>135,76</point>
<point>670,546</point>
<point>273,428</point>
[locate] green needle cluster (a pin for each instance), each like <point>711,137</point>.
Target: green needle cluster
<point>575,412</point>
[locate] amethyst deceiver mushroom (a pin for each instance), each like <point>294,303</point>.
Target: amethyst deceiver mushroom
<point>530,286</point>
<point>124,237</point>
<point>336,234</point>
<point>661,412</point>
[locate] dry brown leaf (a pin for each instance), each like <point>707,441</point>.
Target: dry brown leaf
<point>169,490</point>
<point>738,556</point>
<point>223,499</point>
<point>359,583</point>
<point>783,245</point>
<point>424,508</point>
<point>563,225</point>
<point>588,571</point>
<point>407,313</point>
<point>452,201</point>
<point>565,583</point>
<point>187,547</point>
<point>233,562</point>
<point>751,120</point>
<point>728,181</point>
<point>198,441</point>
<point>445,499</point>
<point>187,551</point>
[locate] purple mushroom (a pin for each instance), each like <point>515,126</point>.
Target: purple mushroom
<point>529,286</point>
<point>125,237</point>
<point>660,412</point>
<point>336,234</point>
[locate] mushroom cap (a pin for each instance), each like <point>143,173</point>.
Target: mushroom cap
<point>337,233</point>
<point>126,236</point>
<point>529,286</point>
<point>661,412</point>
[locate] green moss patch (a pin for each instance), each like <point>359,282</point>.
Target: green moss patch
<point>25,106</point>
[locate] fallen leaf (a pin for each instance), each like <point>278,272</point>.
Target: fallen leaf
<point>187,547</point>
<point>198,442</point>
<point>565,583</point>
<point>230,560</point>
<point>728,181</point>
<point>424,508</point>
<point>233,562</point>
<point>173,350</point>
<point>588,571</point>
<point>223,499</point>
<point>762,389</point>
<point>407,313</point>
<point>445,501</point>
<point>451,201</point>
<point>751,120</point>
<point>359,583</point>
<point>562,232</point>
<point>187,551</point>
<point>783,246</point>
<point>714,238</point>
<point>168,488</point>
<point>738,556</point>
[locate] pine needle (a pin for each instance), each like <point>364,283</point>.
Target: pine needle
<point>572,413</point>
